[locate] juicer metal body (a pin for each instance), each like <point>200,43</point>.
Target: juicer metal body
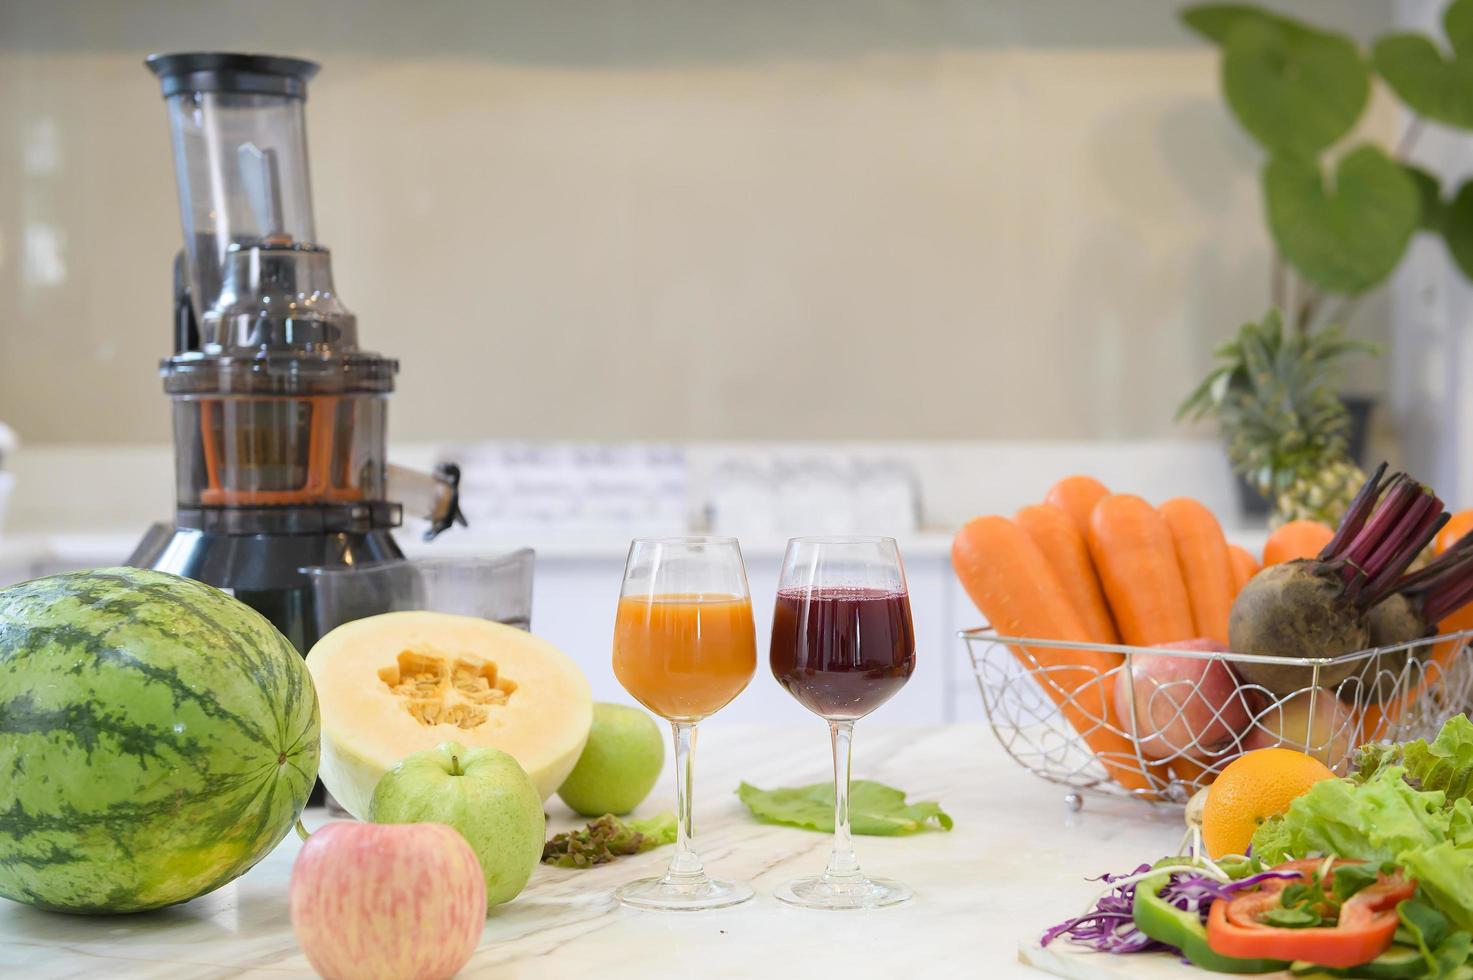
<point>280,417</point>
<point>263,570</point>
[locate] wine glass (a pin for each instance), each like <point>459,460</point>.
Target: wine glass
<point>684,647</point>
<point>842,645</point>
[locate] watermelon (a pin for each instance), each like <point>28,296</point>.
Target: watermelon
<point>157,739</point>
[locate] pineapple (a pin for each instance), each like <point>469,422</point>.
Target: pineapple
<point>1321,495</point>
<point>1273,394</point>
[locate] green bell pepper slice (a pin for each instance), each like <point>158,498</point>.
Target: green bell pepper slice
<point>1166,923</point>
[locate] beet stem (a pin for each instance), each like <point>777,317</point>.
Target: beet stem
<point>1444,601</point>
<point>1386,581</point>
<point>1445,585</point>
<point>1452,563</point>
<point>1394,542</point>
<point>1355,515</point>
<point>1401,497</point>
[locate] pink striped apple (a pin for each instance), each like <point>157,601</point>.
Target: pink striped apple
<point>390,901</point>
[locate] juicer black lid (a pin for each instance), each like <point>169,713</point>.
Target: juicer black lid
<point>225,71</point>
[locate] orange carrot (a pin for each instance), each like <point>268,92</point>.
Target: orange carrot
<point>1296,539</point>
<point>1190,771</point>
<point>1206,567</point>
<point>1010,580</point>
<point>1068,555</point>
<point>1077,496</point>
<point>1245,566</point>
<point>1133,552</point>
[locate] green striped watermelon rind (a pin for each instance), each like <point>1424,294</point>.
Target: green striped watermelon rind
<point>157,739</point>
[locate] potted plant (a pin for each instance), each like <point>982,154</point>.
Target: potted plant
<point>1340,216</point>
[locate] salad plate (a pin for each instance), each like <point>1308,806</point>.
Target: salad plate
<point>1364,875</point>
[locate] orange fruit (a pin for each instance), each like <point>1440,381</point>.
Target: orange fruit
<point>1296,539</point>
<point>1255,786</point>
<point>1460,524</point>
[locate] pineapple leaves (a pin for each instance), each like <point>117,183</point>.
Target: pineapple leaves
<point>1294,88</point>
<point>1432,85</point>
<point>1348,237</point>
<point>1273,392</point>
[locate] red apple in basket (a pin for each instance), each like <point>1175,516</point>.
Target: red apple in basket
<point>1182,704</point>
<point>387,901</point>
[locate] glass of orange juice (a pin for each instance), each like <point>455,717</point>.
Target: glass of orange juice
<point>684,647</point>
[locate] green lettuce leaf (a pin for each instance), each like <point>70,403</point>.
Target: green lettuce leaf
<point>1443,950</point>
<point>1445,764</point>
<point>1445,874</point>
<point>608,838</point>
<point>874,808</point>
<point>1409,805</point>
<point>1374,821</point>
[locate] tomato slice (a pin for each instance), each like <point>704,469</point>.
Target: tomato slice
<point>1365,929</point>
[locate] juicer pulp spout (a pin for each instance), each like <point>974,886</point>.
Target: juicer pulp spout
<point>433,496</point>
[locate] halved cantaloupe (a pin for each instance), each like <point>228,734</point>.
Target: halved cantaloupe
<point>399,683</point>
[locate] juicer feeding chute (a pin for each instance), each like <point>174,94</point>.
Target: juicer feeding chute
<point>238,128</point>
<point>280,418</point>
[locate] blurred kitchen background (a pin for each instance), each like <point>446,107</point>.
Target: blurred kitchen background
<point>653,266</point>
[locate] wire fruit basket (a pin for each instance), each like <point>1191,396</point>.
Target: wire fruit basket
<point>1180,733</point>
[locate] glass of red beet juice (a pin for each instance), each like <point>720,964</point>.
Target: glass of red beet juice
<point>842,644</point>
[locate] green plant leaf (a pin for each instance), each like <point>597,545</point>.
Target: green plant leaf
<point>1457,228</point>
<point>1349,238</point>
<point>1457,23</point>
<point>1429,197</point>
<point>874,808</point>
<point>1217,21</point>
<point>1430,85</point>
<point>1294,88</point>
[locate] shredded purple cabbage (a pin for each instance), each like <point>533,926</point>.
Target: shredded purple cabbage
<point>1110,926</point>
<point>1196,892</point>
<point>1233,887</point>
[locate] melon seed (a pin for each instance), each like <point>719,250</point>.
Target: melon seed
<point>436,691</point>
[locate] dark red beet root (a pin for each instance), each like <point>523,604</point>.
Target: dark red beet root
<point>1316,608</point>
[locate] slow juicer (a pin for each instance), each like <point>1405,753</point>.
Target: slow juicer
<point>279,416</point>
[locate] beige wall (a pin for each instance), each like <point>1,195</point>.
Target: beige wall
<point>829,219</point>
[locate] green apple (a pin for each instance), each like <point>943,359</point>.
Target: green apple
<point>483,793</point>
<point>619,765</point>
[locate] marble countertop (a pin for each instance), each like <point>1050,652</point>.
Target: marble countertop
<point>1014,864</point>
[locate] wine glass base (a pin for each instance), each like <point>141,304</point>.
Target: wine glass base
<point>818,892</point>
<point>664,895</point>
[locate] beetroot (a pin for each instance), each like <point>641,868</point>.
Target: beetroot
<point>1394,620</point>
<point>1316,608</point>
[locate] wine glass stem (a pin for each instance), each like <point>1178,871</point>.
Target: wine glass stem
<point>843,865</point>
<point>685,866</point>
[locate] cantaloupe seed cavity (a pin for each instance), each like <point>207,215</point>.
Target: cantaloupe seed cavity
<point>437,690</point>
